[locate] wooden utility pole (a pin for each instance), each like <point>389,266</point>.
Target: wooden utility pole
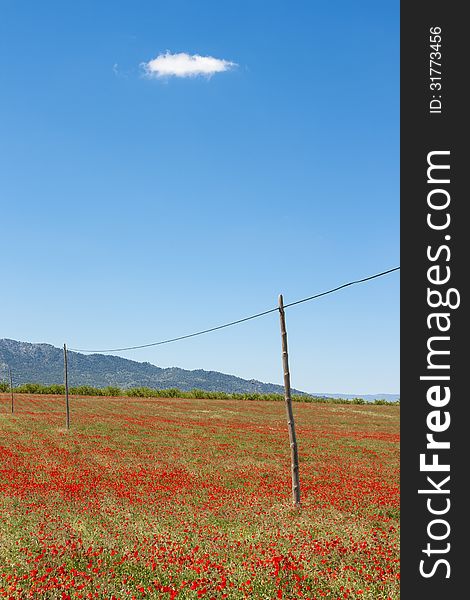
<point>66,382</point>
<point>290,415</point>
<point>11,391</point>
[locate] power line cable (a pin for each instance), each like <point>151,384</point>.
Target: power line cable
<point>257,315</point>
<point>182,337</point>
<point>340,287</point>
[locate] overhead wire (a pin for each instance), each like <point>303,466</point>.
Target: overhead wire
<point>231,323</point>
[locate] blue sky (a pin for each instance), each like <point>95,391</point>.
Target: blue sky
<point>135,208</point>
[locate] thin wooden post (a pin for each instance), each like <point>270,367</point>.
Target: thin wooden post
<point>11,391</point>
<point>66,382</point>
<point>290,415</point>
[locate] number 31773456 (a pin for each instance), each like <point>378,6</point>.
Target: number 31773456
<point>435,68</point>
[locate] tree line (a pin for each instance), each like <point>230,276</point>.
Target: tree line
<point>146,392</point>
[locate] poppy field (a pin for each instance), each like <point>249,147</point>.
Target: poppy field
<point>186,498</point>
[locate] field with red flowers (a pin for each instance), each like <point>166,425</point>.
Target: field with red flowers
<point>169,498</point>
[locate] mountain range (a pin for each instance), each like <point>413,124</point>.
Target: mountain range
<point>43,363</point>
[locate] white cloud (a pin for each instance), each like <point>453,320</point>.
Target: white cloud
<point>185,65</point>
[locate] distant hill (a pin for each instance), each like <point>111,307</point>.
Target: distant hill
<point>366,397</point>
<point>43,363</point>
